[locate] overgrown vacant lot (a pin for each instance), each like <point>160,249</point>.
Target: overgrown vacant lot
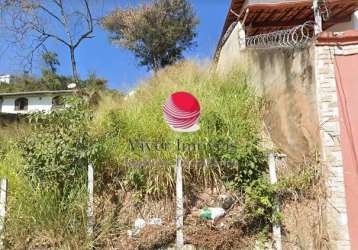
<point>46,162</point>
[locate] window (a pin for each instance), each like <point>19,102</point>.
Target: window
<point>21,104</point>
<point>57,102</point>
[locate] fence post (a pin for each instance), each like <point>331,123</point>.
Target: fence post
<point>179,205</point>
<point>3,193</point>
<point>276,229</point>
<point>318,17</point>
<point>90,213</point>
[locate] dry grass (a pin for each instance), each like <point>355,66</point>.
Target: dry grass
<point>304,214</point>
<point>33,223</point>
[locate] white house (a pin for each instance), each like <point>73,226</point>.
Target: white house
<point>6,79</point>
<point>34,101</point>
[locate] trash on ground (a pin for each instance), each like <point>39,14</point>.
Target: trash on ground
<point>155,221</point>
<point>212,213</point>
<point>140,223</point>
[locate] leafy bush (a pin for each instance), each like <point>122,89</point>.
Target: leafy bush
<point>45,165</point>
<point>261,204</point>
<point>60,147</point>
<point>261,196</point>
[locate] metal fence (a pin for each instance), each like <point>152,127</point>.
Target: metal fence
<point>296,37</point>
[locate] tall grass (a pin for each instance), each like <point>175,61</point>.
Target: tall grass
<point>39,216</point>
<point>231,115</point>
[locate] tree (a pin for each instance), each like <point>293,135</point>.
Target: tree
<point>35,22</point>
<point>156,33</point>
<point>51,61</point>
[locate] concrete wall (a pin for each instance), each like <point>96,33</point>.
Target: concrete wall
<point>286,79</point>
<point>5,79</point>
<point>251,2</point>
<point>229,53</point>
<point>36,103</point>
<point>340,27</point>
<point>352,25</point>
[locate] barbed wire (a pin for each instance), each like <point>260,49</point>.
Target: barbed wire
<point>296,37</point>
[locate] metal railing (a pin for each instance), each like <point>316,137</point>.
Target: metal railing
<point>296,37</point>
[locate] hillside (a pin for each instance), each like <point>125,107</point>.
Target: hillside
<point>46,164</point>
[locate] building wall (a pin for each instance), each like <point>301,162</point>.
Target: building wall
<point>7,119</point>
<point>5,79</point>
<point>286,79</point>
<point>252,2</point>
<point>332,144</point>
<point>36,103</point>
<point>347,88</point>
<point>340,27</point>
<point>301,87</point>
<point>229,54</point>
<point>352,25</point>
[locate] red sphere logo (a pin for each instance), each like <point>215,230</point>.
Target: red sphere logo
<point>182,112</point>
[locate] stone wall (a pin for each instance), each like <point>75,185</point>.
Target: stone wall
<point>331,149</point>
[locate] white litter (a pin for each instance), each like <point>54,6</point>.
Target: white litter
<point>140,223</point>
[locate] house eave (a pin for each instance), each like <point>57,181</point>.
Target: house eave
<point>39,93</point>
<point>268,16</point>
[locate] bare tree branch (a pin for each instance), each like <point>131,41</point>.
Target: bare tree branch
<point>65,21</point>
<point>50,13</point>
<point>90,25</point>
<point>44,33</point>
<point>32,19</point>
<point>30,57</point>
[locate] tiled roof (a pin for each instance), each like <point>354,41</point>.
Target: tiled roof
<point>267,16</point>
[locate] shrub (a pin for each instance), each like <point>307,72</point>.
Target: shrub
<point>47,202</point>
<point>261,204</point>
<point>60,147</point>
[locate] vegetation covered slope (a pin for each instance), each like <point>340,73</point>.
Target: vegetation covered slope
<point>46,166</point>
<point>230,128</point>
